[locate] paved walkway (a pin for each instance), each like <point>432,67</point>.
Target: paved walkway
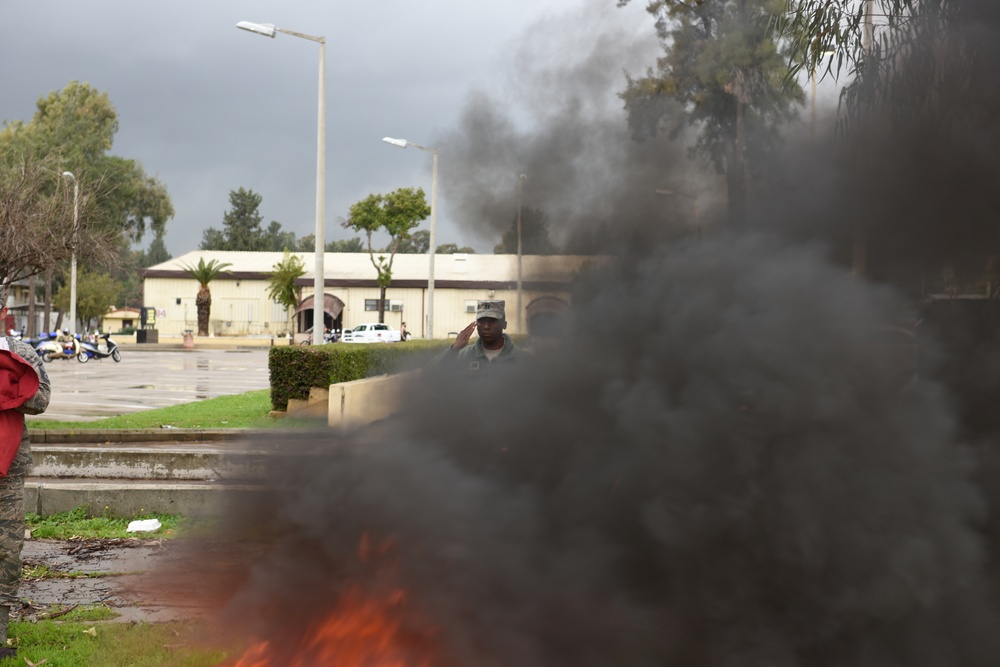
<point>147,379</point>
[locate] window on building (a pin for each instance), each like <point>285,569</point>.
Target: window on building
<point>391,305</point>
<point>470,306</point>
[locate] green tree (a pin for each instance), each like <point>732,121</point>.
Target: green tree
<point>396,214</point>
<point>204,274</point>
<point>73,130</point>
<point>354,244</point>
<point>241,228</point>
<point>157,253</point>
<point>277,240</point>
<point>95,295</point>
<point>724,72</point>
<point>281,286</point>
<point>418,243</point>
<point>534,235</point>
<point>452,248</point>
<point>307,243</point>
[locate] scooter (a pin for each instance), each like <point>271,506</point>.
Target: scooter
<point>52,349</point>
<point>90,351</point>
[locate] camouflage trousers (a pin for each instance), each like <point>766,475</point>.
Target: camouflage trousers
<point>11,542</point>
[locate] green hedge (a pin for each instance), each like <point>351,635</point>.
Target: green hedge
<point>294,369</point>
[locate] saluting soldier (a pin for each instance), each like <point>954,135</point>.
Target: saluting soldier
<point>492,349</point>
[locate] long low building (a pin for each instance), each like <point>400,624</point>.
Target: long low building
<point>241,306</point>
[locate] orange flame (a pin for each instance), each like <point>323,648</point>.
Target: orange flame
<point>364,630</point>
<point>360,633</point>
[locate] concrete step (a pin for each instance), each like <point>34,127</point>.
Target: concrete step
<point>160,461</point>
<point>126,498</point>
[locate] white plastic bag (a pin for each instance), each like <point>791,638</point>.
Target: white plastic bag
<point>143,526</point>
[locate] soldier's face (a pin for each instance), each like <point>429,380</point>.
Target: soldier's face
<point>490,329</point>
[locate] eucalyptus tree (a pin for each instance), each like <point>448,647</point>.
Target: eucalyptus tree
<point>724,71</point>
<point>42,222</point>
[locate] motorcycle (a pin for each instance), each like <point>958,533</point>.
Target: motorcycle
<point>53,349</point>
<point>90,351</point>
<point>328,337</point>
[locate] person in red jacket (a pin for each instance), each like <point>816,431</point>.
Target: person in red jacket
<point>24,389</point>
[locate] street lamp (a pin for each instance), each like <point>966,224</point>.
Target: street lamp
<point>319,286</point>
<point>72,263</point>
<point>694,201</point>
<point>403,143</point>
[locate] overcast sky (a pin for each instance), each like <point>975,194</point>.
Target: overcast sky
<point>208,108</point>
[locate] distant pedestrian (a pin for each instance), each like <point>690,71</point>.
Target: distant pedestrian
<point>24,389</point>
<point>403,333</point>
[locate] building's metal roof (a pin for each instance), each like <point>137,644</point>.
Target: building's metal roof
<point>358,266</point>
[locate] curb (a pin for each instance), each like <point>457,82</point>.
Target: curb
<point>75,436</point>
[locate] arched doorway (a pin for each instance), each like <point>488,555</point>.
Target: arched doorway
<point>333,309</point>
<point>547,316</point>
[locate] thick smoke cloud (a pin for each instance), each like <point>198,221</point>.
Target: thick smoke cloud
<point>739,481</point>
<point>560,122</point>
<point>736,457</point>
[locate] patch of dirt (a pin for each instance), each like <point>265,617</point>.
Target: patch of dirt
<point>128,575</point>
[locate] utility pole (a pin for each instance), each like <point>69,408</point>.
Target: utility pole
<point>859,256</point>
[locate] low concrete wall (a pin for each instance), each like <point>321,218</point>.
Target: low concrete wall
<point>44,497</point>
<point>362,402</point>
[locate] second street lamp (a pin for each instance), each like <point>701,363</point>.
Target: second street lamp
<point>403,143</point>
<point>72,264</point>
<point>319,283</point>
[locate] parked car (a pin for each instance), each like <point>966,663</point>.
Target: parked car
<point>371,332</point>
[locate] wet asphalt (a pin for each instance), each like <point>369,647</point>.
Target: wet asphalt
<point>145,380</point>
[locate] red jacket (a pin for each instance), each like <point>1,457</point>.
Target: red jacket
<point>18,383</point>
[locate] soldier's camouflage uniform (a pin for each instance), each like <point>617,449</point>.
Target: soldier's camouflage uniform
<point>12,491</point>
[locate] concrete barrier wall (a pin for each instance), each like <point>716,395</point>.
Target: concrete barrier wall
<point>362,402</point>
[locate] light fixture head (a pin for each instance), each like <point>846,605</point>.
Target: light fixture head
<point>266,29</point>
<point>402,143</point>
<point>70,174</point>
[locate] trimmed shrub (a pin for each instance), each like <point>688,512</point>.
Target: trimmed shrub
<point>295,369</point>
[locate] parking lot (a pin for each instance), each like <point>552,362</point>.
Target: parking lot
<point>151,379</point>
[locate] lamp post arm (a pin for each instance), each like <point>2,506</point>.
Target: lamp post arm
<point>321,40</point>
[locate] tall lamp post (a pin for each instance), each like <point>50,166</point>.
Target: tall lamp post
<point>520,284</point>
<point>694,201</point>
<point>72,262</point>
<point>319,287</point>
<point>403,143</point>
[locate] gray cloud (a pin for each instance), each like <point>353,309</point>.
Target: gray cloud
<point>208,108</point>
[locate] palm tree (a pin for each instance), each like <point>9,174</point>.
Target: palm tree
<point>204,274</point>
<point>281,286</point>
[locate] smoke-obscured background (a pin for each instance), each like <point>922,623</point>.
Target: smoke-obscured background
<point>730,458</point>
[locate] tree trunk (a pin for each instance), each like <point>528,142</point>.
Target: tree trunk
<point>204,304</point>
<point>31,329</point>
<point>381,305</point>
<point>736,182</point>
<point>46,323</point>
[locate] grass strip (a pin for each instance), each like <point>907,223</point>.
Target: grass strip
<point>84,644</point>
<point>247,410</point>
<point>80,523</point>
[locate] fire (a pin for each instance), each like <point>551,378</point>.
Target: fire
<point>363,630</point>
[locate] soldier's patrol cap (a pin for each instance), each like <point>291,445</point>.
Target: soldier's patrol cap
<point>494,309</point>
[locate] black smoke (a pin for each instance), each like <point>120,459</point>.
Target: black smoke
<point>735,457</point>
